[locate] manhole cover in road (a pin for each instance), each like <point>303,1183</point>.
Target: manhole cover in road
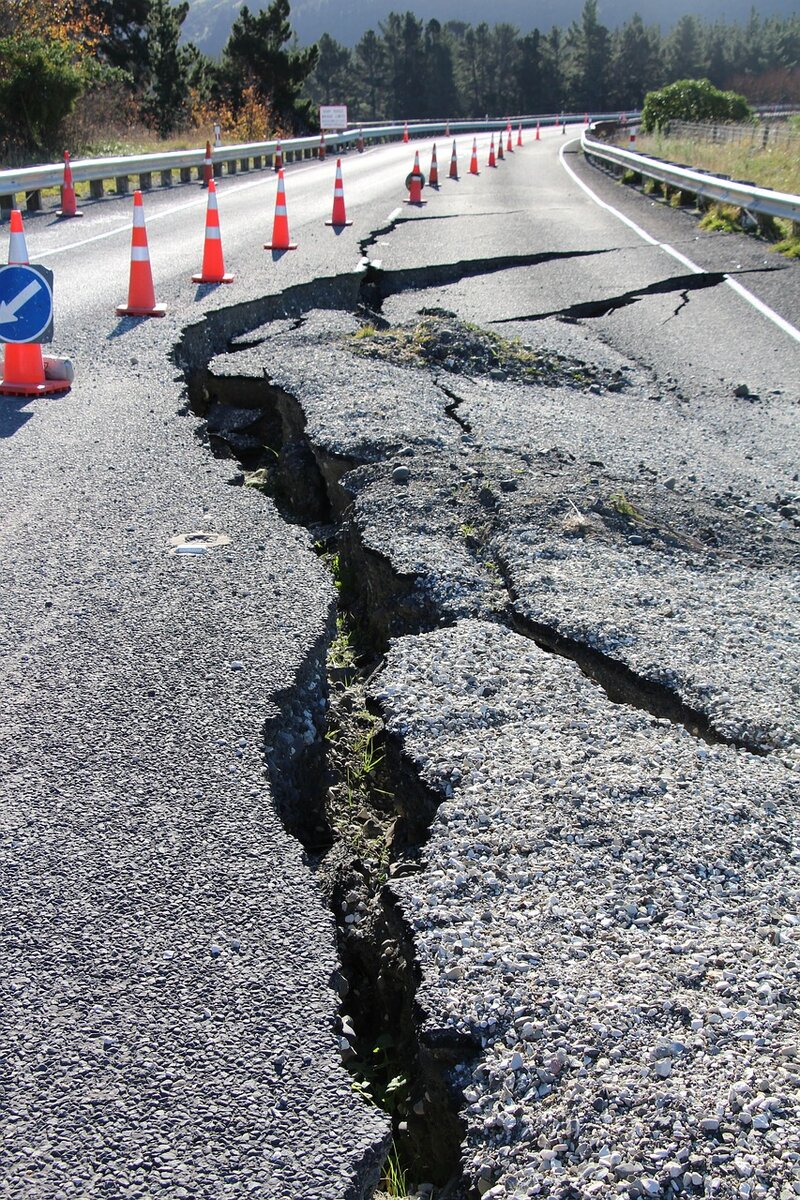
<point>197,542</point>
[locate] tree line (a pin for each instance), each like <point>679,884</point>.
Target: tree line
<point>124,60</point>
<point>415,69</point>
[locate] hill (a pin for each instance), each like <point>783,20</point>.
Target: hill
<point>209,21</point>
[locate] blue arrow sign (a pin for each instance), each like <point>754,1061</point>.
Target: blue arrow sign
<point>26,304</point>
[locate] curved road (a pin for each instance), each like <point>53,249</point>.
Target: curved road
<point>170,971</point>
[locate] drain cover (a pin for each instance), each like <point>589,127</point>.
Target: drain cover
<point>197,542</point>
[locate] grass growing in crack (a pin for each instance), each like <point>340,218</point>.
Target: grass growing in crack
<point>621,504</point>
<point>459,347</point>
<point>341,652</point>
<point>395,1179</point>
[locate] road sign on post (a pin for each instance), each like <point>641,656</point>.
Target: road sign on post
<point>26,304</point>
<point>333,116</point>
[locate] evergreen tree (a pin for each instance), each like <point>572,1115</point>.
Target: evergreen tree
<point>403,48</point>
<point>474,74</point>
<point>255,55</point>
<point>529,74</point>
<point>370,75</point>
<point>588,54</point>
<point>440,94</point>
<point>330,81</point>
<point>123,43</point>
<point>164,100</point>
<point>635,64</point>
<point>552,60</point>
<point>684,50</point>
<point>505,57</point>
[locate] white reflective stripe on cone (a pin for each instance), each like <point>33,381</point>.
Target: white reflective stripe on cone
<point>212,233</point>
<point>138,216</point>
<point>140,254</point>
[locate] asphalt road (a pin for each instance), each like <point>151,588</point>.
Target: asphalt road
<point>170,1013</point>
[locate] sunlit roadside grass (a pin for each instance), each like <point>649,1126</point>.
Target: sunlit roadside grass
<point>776,167</point>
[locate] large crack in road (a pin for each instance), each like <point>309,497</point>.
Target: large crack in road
<point>377,499</point>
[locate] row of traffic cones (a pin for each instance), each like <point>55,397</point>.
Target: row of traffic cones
<point>24,364</point>
<point>416,180</point>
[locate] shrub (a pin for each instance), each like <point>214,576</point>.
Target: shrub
<point>692,100</point>
<point>39,84</point>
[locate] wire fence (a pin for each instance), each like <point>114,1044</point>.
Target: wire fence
<point>761,136</point>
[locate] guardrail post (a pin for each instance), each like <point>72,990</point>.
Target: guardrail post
<point>257,162</point>
<point>122,183</point>
<point>216,168</point>
<point>231,166</point>
<point>33,201</point>
<point>6,205</point>
<point>186,174</point>
<point>166,178</point>
<point>96,189</point>
<point>244,164</point>
<point>145,181</point>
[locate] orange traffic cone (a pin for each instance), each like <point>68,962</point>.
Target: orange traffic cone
<point>473,162</point>
<point>492,160</point>
<point>208,166</point>
<point>69,206</point>
<point>500,153</point>
<point>23,364</point>
<point>586,119</point>
<point>519,134</point>
<point>321,151</point>
<point>415,183</point>
<point>278,156</point>
<point>538,134</point>
<point>405,131</point>
<point>447,130</point>
<point>280,227</point>
<point>433,174</point>
<point>213,269</point>
<point>360,142</point>
<point>339,217</point>
<point>509,145</point>
<point>141,297</point>
<point>454,164</point>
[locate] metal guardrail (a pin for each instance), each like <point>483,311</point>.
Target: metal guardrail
<point>756,200</point>
<point>31,181</point>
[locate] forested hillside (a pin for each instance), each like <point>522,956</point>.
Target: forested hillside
<point>93,74</point>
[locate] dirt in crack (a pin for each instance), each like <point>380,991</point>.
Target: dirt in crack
<point>378,812</point>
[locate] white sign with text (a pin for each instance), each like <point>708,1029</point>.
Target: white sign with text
<point>333,116</point>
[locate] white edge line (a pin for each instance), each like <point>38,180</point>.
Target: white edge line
<point>747,295</point>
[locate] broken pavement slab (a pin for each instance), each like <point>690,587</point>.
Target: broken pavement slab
<point>605,924</point>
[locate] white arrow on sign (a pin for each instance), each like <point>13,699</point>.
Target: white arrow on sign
<point>10,308</point>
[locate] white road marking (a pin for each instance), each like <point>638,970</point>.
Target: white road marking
<point>737,287</point>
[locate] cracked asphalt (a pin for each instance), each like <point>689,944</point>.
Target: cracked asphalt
<point>169,1004</point>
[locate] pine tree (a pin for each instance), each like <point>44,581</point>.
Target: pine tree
<point>369,68</point>
<point>164,100</point>
<point>255,55</point>
<point>330,81</point>
<point>635,64</point>
<point>588,61</point>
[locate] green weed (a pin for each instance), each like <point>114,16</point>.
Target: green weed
<point>621,504</point>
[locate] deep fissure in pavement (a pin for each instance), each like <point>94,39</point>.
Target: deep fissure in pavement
<point>345,790</point>
<point>349,795</point>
